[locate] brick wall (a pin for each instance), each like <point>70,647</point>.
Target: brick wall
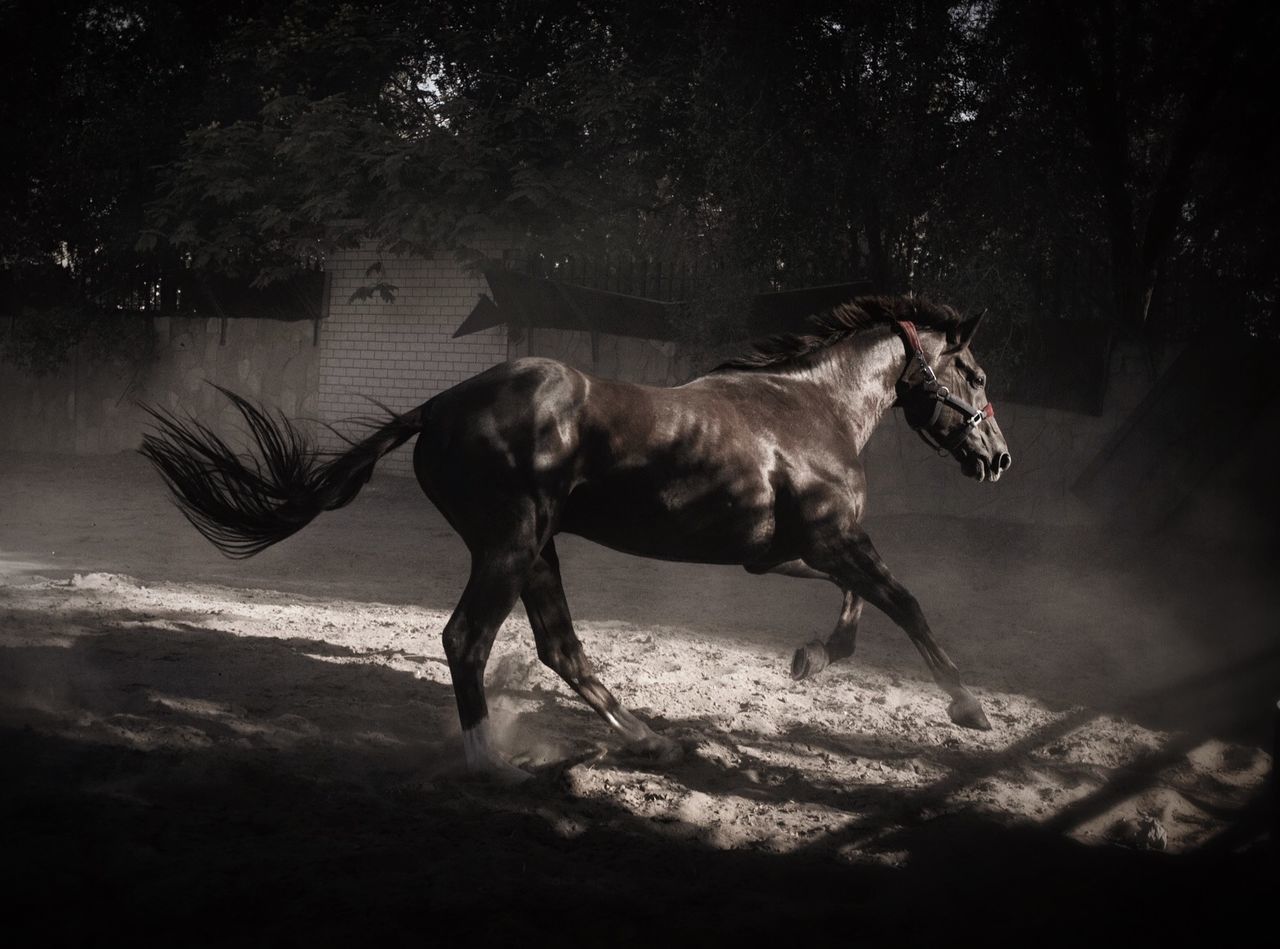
<point>401,352</point>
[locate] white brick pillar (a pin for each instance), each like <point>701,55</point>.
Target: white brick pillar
<point>400,353</point>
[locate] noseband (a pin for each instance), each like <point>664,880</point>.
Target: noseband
<point>922,398</point>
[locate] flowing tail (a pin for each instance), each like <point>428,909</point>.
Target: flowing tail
<point>243,505</point>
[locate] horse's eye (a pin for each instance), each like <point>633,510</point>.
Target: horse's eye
<point>980,382</point>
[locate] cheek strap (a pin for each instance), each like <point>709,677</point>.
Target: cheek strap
<point>923,400</point>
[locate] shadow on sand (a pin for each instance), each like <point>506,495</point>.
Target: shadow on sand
<point>170,797</point>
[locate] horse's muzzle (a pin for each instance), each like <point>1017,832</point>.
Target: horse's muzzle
<point>981,469</point>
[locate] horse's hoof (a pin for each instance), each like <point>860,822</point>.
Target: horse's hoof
<point>810,659</point>
<point>483,761</point>
<point>503,772</point>
<point>967,713</point>
<point>498,770</point>
<point>656,749</point>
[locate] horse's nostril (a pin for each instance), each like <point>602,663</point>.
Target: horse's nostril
<point>1004,461</point>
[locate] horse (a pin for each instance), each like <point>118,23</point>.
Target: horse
<point>755,464</point>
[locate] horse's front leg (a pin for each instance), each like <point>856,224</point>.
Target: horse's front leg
<point>559,649</point>
<point>853,561</point>
<point>816,655</point>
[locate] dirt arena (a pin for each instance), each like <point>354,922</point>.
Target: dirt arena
<point>200,751</point>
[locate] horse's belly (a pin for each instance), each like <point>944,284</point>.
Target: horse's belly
<point>692,522</point>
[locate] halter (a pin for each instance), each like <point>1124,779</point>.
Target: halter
<point>922,400</point>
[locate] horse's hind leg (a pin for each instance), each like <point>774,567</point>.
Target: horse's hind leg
<point>854,561</point>
<point>490,594</point>
<point>559,648</point>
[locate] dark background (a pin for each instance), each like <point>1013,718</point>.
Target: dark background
<point>1091,170</point>
<point>1097,161</point>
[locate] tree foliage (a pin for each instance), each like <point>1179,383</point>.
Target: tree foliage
<point>1051,158</point>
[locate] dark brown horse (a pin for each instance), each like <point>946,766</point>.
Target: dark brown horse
<point>755,463</point>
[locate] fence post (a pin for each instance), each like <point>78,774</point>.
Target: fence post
<point>1274,779</point>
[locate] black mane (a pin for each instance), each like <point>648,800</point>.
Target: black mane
<point>831,326</point>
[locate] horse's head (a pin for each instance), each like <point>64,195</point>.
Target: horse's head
<point>954,414</point>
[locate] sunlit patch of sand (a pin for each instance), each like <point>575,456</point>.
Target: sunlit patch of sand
<point>840,762</point>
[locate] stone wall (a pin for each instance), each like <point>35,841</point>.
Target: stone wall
<point>91,407</point>
<point>402,352</point>
<point>647,361</point>
<point>1050,449</point>
<point>399,353</point>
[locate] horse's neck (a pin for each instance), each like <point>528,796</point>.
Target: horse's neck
<point>859,375</point>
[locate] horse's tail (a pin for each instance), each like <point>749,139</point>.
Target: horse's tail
<point>244,504</point>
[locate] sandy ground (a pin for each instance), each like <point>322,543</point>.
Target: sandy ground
<point>200,750</point>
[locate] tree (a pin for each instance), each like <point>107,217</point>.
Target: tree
<point>772,135</point>
<point>984,151</point>
<point>96,101</point>
<point>1137,95</point>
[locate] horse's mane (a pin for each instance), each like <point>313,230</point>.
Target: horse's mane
<point>831,326</point>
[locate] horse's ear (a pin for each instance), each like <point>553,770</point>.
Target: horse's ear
<point>960,335</point>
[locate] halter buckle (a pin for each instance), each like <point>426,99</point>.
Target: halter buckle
<point>926,371</point>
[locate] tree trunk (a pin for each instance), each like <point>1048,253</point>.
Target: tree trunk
<point>1132,281</point>
<point>881,271</point>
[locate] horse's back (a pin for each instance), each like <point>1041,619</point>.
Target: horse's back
<point>680,473</point>
<point>696,472</point>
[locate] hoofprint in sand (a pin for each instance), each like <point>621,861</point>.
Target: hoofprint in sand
<point>840,762</point>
